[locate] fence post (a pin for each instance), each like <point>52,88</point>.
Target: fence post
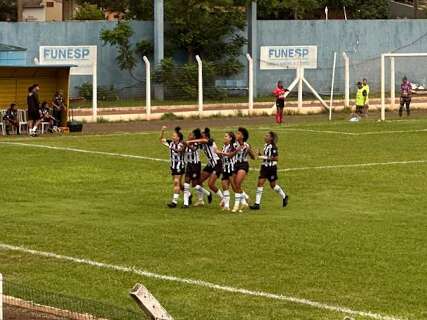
<point>332,86</point>
<point>1,296</point>
<point>300,77</point>
<point>200,68</point>
<point>382,87</point>
<point>251,83</point>
<point>147,87</point>
<point>346,80</point>
<point>392,82</point>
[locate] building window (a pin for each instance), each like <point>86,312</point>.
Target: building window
<point>50,4</point>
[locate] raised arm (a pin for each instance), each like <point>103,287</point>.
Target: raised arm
<point>162,136</point>
<point>201,141</point>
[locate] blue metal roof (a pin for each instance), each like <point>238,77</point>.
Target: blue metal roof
<point>6,47</point>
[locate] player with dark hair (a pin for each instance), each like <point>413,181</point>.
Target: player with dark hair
<point>213,169</point>
<point>193,169</point>
<point>405,96</point>
<point>268,170</point>
<point>279,92</point>
<point>227,154</point>
<point>241,169</point>
<point>11,118</point>
<point>177,164</point>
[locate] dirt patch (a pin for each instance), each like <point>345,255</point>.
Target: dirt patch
<point>16,313</point>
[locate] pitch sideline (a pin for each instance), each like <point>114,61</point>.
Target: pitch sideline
<point>201,283</point>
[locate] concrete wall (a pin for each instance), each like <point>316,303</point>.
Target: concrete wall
<point>363,40</point>
<point>33,35</point>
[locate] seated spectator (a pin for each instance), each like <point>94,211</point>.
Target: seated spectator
<point>11,119</point>
<point>45,116</point>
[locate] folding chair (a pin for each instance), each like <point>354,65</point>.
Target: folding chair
<point>22,119</point>
<point>44,126</point>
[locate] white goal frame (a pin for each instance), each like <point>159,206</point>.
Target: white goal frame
<point>392,57</point>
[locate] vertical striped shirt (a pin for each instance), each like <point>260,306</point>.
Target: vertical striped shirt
<point>270,151</point>
<point>228,162</point>
<point>192,153</point>
<point>242,154</point>
<point>176,154</point>
<point>210,152</point>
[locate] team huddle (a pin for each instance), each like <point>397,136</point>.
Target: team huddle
<point>230,164</point>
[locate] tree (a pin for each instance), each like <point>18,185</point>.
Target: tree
<point>89,12</point>
<point>8,10</point>
<point>113,5</point>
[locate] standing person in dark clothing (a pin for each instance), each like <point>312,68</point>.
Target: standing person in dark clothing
<point>59,107</point>
<point>33,103</point>
<point>279,93</point>
<point>405,96</point>
<point>11,118</point>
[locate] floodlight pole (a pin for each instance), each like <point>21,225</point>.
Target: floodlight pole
<point>200,69</point>
<point>392,83</point>
<point>251,83</point>
<point>147,87</point>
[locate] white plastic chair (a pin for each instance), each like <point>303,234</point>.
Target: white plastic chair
<point>44,126</point>
<point>2,124</point>
<point>22,119</point>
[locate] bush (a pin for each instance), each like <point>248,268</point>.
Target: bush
<point>104,93</point>
<point>170,116</point>
<point>89,11</point>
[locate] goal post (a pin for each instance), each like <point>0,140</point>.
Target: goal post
<point>384,59</point>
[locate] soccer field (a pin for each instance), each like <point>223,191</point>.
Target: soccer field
<point>351,242</point>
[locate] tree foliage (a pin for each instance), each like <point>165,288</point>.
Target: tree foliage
<point>89,11</point>
<point>7,10</point>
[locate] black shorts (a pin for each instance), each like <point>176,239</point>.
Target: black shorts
<point>241,166</point>
<point>33,115</point>
<point>269,173</point>
<point>217,169</point>
<point>193,171</point>
<point>177,172</point>
<point>280,103</point>
<point>226,175</point>
<point>405,100</point>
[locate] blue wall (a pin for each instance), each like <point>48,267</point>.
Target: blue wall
<point>31,35</point>
<point>363,40</point>
<point>12,58</point>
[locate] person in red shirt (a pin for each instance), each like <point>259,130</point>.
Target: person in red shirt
<point>279,93</point>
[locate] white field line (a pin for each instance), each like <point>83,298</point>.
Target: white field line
<point>111,154</point>
<point>129,156</point>
<point>355,165</point>
<point>201,283</point>
<point>345,133</point>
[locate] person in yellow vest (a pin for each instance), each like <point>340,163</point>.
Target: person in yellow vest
<point>366,87</point>
<point>361,98</point>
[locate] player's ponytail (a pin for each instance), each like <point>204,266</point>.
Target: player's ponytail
<point>274,137</point>
<point>207,133</point>
<point>179,133</point>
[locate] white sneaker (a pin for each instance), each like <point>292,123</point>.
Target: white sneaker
<point>236,208</point>
<point>199,203</point>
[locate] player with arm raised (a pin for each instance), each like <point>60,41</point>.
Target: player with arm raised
<point>268,170</point>
<point>176,153</point>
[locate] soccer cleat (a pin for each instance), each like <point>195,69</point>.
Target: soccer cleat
<point>225,209</point>
<point>172,205</point>
<point>199,203</point>
<point>185,207</point>
<point>236,208</point>
<point>210,197</point>
<point>285,201</point>
<point>255,207</point>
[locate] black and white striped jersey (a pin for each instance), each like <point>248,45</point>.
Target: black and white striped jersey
<point>228,162</point>
<point>210,152</point>
<point>242,154</point>
<point>176,154</point>
<point>270,151</point>
<point>192,154</point>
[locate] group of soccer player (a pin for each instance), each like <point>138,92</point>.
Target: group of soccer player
<point>230,164</point>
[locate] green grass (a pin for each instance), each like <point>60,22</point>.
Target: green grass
<point>352,237</point>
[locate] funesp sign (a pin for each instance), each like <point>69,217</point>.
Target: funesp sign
<point>288,57</point>
<point>83,57</point>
